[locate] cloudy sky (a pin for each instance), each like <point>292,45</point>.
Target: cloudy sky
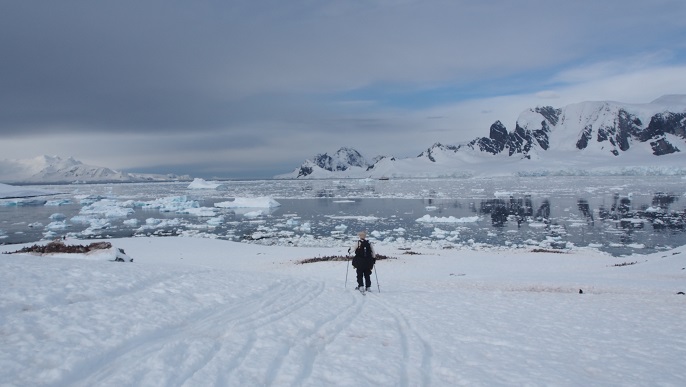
<point>251,88</point>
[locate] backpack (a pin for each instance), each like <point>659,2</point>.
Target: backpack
<point>363,255</point>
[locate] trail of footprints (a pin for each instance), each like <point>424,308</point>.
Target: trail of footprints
<point>271,337</point>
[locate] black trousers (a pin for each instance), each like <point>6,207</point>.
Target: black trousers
<point>366,273</point>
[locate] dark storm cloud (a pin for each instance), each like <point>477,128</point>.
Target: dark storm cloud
<point>114,66</point>
<point>305,76</point>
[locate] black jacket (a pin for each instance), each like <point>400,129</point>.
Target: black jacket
<point>363,260</point>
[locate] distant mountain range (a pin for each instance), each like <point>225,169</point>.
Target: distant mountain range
<point>579,139</point>
<point>588,138</point>
<point>54,169</point>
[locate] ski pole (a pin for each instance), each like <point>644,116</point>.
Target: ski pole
<point>346,273</point>
<point>377,280</point>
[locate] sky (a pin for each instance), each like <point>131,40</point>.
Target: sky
<point>252,88</point>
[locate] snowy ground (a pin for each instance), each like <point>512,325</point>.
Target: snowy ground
<point>202,312</point>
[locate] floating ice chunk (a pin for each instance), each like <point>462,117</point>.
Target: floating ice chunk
<point>59,202</point>
<point>32,202</point>
<point>152,223</point>
<point>49,235</point>
<point>131,222</point>
<point>88,199</point>
<point>129,204</point>
<point>22,202</point>
<point>58,216</point>
<point>107,208</point>
<point>450,236</point>
<point>258,202</point>
<point>207,212</point>
<point>59,225</point>
<point>257,235</point>
<point>502,194</point>
<point>98,224</point>
<point>82,219</point>
<point>306,227</point>
<point>253,214</point>
<point>353,217</point>
<point>92,222</point>
<point>199,183</point>
<point>171,204</point>
<point>341,227</point>
<point>450,219</point>
<point>216,221</point>
<point>10,191</point>
<point>431,208</point>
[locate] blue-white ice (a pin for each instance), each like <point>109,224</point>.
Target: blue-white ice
<point>563,212</point>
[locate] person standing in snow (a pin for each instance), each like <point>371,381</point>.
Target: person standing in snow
<point>363,261</point>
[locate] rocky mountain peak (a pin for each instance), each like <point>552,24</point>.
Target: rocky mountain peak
<point>601,129</point>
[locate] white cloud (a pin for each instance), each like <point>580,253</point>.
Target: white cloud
<point>547,94</point>
<point>472,118</point>
<point>610,68</point>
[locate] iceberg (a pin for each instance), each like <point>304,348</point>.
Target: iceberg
<point>258,202</point>
<point>199,183</point>
<point>450,219</point>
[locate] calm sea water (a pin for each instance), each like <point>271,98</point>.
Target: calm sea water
<point>620,215</point>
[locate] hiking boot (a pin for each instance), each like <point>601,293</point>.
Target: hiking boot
<point>369,289</point>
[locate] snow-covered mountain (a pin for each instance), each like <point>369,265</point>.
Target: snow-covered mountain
<point>585,138</point>
<point>345,162</point>
<point>593,127</point>
<point>55,169</point>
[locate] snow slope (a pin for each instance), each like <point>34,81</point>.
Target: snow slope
<point>202,312</point>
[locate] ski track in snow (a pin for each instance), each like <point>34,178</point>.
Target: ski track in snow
<point>234,344</point>
<point>257,322</point>
<point>216,334</point>
<point>415,349</point>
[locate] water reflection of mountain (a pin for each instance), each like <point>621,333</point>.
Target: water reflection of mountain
<point>658,214</point>
<point>621,211</point>
<point>519,209</point>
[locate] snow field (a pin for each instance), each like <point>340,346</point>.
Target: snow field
<point>199,312</point>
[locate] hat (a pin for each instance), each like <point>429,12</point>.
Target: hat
<point>362,234</point>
